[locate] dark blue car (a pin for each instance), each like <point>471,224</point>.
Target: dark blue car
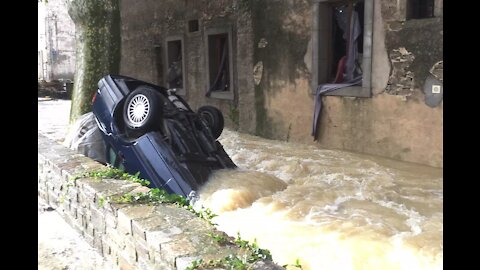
<point>151,130</point>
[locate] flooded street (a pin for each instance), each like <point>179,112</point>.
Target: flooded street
<point>53,117</point>
<point>329,209</point>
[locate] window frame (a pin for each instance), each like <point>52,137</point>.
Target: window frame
<point>216,31</point>
<point>320,49</point>
<point>180,91</point>
<point>189,25</point>
<point>410,11</point>
<point>116,160</point>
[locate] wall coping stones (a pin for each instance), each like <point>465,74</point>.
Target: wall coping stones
<point>134,236</point>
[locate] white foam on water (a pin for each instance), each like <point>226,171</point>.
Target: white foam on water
<point>334,210</point>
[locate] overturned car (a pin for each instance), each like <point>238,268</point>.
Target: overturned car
<point>151,130</point>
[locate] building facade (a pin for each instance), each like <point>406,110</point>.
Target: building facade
<point>262,61</point>
<point>56,42</point>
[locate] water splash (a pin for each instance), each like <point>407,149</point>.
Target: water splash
<point>330,209</point>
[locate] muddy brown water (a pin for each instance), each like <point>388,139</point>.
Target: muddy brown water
<point>329,209</point>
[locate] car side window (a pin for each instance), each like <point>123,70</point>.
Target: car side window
<point>111,155</point>
<point>114,159</point>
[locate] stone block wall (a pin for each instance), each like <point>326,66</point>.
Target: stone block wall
<point>134,236</point>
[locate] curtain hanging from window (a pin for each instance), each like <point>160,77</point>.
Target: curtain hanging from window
<point>348,71</point>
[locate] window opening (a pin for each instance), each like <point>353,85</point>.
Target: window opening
<point>193,26</point>
<point>347,30</point>
<point>175,64</point>
<point>343,46</point>
<point>342,62</point>
<point>420,9</point>
<point>218,56</point>
<point>114,159</point>
<point>158,63</point>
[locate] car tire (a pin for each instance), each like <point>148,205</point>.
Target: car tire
<point>213,118</point>
<point>142,111</point>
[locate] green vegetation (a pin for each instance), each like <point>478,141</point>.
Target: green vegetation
<point>256,252</point>
<point>296,265</point>
<point>250,253</point>
<point>220,239</point>
<point>114,173</point>
<point>156,195</point>
<point>195,264</point>
<point>153,195</point>
<point>101,201</point>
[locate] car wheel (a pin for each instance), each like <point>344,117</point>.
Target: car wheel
<point>142,110</point>
<point>214,119</point>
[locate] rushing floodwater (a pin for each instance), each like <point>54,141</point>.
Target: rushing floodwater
<point>329,209</point>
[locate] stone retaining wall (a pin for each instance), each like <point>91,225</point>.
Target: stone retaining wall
<point>139,236</point>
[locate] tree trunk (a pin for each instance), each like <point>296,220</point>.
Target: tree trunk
<point>97,30</point>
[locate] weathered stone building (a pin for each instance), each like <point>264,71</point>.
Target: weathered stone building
<point>56,42</point>
<point>261,61</point>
